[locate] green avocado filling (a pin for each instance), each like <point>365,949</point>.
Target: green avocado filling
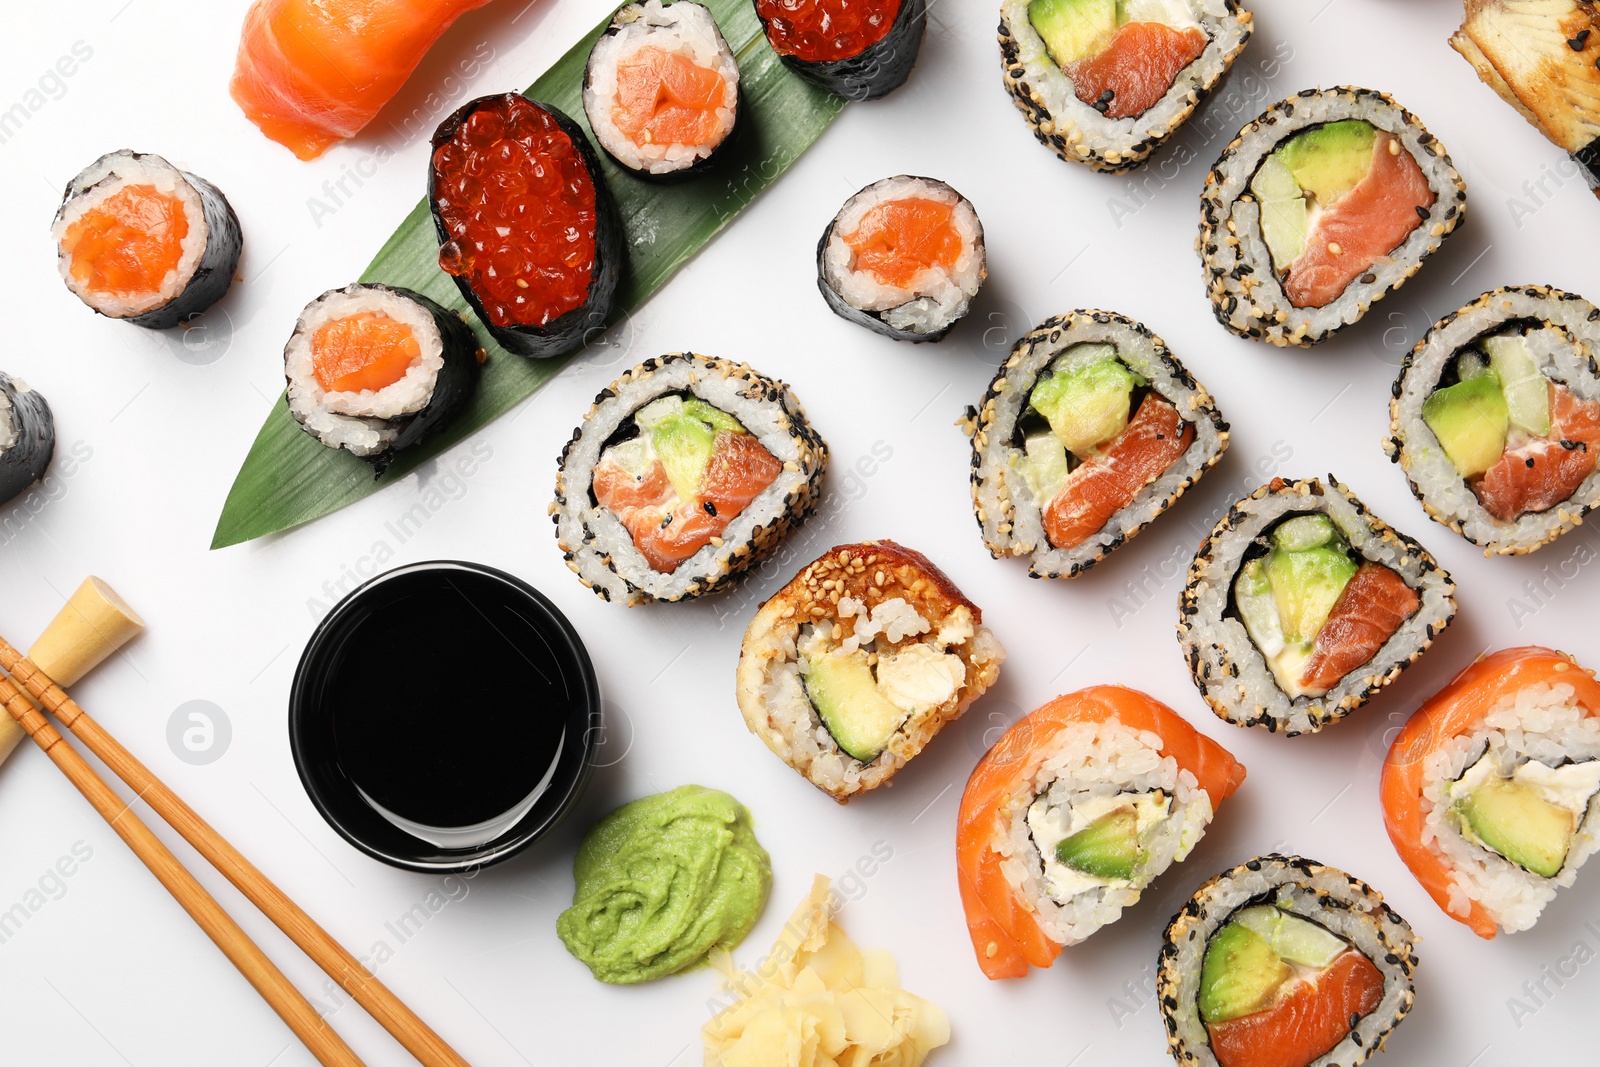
<point>1499,400</point>
<point>1080,29</point>
<point>1529,817</point>
<point>1250,958</point>
<point>1306,174</point>
<point>683,434</point>
<point>1077,407</point>
<point>1284,597</point>
<point>845,692</point>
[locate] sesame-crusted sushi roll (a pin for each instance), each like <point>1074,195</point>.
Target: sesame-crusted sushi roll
<point>848,672</point>
<point>27,437</point>
<point>1496,418</point>
<point>661,88</point>
<point>1090,430</point>
<point>1302,604</point>
<point>1106,82</point>
<point>904,257</point>
<point>1284,961</point>
<point>1319,209</point>
<point>686,472</point>
<point>857,49</point>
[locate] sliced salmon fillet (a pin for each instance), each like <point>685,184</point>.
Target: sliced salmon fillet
<point>1103,485</point>
<point>741,468</point>
<point>618,491</point>
<point>365,351</point>
<point>1137,68</point>
<point>128,243</point>
<point>898,240</point>
<point>1005,935</point>
<point>666,98</point>
<point>1454,711</point>
<point>1311,1017</point>
<point>1362,227</point>
<point>1543,473</point>
<point>1373,604</point>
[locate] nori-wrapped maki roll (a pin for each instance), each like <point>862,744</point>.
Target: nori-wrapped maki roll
<point>858,49</point>
<point>27,437</point>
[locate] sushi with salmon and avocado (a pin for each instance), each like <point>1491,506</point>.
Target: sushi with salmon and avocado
<point>1106,82</point>
<point>857,49</point>
<point>1320,208</point>
<point>849,671</point>
<point>1301,604</point>
<point>1282,962</point>
<point>1496,418</point>
<point>1073,813</point>
<point>1090,430</point>
<point>685,473</point>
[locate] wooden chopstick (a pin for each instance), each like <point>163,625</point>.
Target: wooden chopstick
<point>418,1038</point>
<point>329,1049</point>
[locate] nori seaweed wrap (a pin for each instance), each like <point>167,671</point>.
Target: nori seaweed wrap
<point>27,437</point>
<point>861,64</point>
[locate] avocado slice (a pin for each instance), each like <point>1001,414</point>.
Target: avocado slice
<point>684,445</point>
<point>1044,465</point>
<point>1283,211</point>
<point>1306,585</point>
<point>1086,405</point>
<point>1240,974</point>
<point>1527,391</point>
<point>1294,939</point>
<point>1514,821</point>
<point>1328,161</point>
<point>712,416</point>
<point>1073,29</point>
<point>1470,419</point>
<point>1107,848</point>
<point>1258,609</point>
<point>1311,530</point>
<point>842,688</point>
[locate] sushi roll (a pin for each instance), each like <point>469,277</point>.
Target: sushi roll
<point>374,369</point>
<point>661,89</point>
<point>1496,418</point>
<point>1073,813</point>
<point>27,437</point>
<point>1319,209</point>
<point>140,240</point>
<point>1282,960</point>
<point>857,49</point>
<point>853,667</point>
<point>1302,604</point>
<point>686,472</point>
<point>904,258</point>
<point>1490,789</point>
<point>510,183</point>
<point>1089,430</point>
<point>1106,82</point>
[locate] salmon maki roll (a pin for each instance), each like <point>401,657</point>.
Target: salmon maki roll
<point>1496,418</point>
<point>1320,208</point>
<point>1301,604</point>
<point>1282,962</point>
<point>686,472</point>
<point>857,49</point>
<point>1491,791</point>
<point>1073,813</point>
<point>1089,431</point>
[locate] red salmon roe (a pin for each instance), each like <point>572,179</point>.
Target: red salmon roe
<point>822,31</point>
<point>516,197</point>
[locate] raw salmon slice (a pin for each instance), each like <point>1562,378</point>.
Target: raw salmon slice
<point>1311,1018</point>
<point>898,240</point>
<point>1137,68</point>
<point>665,98</point>
<point>1372,606</point>
<point>1543,473</point>
<point>365,351</point>
<point>128,243</point>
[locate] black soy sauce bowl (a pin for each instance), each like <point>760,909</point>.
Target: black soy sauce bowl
<point>312,720</point>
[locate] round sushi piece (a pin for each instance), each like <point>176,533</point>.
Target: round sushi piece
<point>1282,960</point>
<point>1073,813</point>
<point>1090,430</point>
<point>904,258</point>
<point>854,666</point>
<point>1490,790</point>
<point>374,369</point>
<point>686,472</point>
<point>510,183</point>
<point>1301,604</point>
<point>857,49</point>
<point>661,89</point>
<point>140,240</point>
<point>1106,82</point>
<point>27,437</point>
<point>1319,209</point>
<point>1496,418</point>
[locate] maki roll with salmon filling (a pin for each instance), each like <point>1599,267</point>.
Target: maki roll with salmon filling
<point>1490,790</point>
<point>686,472</point>
<point>526,225</point>
<point>1073,813</point>
<point>854,666</point>
<point>1089,430</point>
<point>661,89</point>
<point>1286,962</point>
<point>27,437</point>
<point>1319,209</point>
<point>1302,604</point>
<point>140,240</point>
<point>904,257</point>
<point>374,369</point>
<point>857,49</point>
<point>1496,418</point>
<point>1106,82</point>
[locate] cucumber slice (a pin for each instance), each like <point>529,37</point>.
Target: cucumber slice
<point>1044,465</point>
<point>1258,609</point>
<point>1283,211</point>
<point>1303,532</point>
<point>1527,391</point>
<point>1294,939</point>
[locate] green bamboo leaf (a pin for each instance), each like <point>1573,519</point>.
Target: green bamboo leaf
<point>289,479</point>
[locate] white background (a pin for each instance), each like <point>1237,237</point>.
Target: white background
<point>113,972</point>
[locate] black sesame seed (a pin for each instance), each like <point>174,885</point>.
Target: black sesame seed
<point>1577,43</point>
<point>1422,212</point>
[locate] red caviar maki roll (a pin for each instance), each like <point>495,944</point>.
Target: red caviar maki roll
<point>859,49</point>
